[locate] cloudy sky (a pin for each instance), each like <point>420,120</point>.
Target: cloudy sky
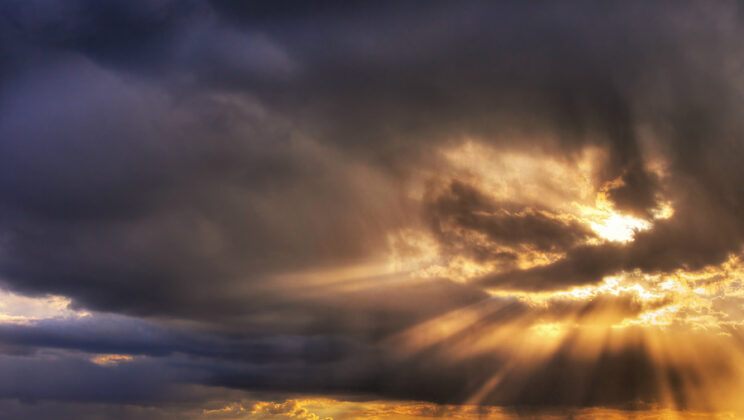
<point>353,210</point>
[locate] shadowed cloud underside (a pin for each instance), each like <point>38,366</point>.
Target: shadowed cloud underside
<point>349,210</point>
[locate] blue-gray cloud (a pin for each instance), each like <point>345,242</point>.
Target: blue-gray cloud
<point>166,162</point>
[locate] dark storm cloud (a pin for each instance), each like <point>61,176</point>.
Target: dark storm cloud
<point>582,265</point>
<point>76,379</point>
<point>463,207</point>
<point>120,335</point>
<point>201,172</point>
<point>124,186</point>
<point>168,360</point>
<point>693,239</point>
<point>172,159</point>
<point>614,376</point>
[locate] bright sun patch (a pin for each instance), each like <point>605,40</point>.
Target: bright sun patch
<point>619,228</point>
<point>563,192</point>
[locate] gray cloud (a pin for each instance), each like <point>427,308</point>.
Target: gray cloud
<point>464,207</point>
<point>172,161</point>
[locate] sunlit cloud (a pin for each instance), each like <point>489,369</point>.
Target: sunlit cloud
<point>619,228</point>
<point>111,359</point>
<point>19,309</point>
<point>357,210</point>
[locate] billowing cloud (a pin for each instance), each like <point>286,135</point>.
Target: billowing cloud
<point>228,209</point>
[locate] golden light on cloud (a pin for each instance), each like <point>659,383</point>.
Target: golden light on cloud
<point>111,359</point>
<point>622,311</point>
<point>528,177</point>
<point>620,228</point>
<point>338,409</point>
<point>676,318</point>
<point>19,309</point>
<point>224,210</point>
<point>519,185</point>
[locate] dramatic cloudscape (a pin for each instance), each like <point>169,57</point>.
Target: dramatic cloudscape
<point>371,210</point>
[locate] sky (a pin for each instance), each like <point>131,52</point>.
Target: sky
<point>371,210</point>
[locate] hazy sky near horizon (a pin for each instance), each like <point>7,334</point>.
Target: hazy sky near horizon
<point>247,209</point>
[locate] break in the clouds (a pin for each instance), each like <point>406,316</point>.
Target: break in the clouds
<point>227,209</point>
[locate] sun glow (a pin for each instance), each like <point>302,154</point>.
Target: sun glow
<point>619,228</point>
<point>672,318</point>
<point>624,312</point>
<point>518,184</point>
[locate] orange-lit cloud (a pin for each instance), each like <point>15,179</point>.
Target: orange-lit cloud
<point>223,209</point>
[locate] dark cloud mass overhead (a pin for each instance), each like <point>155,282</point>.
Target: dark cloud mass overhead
<point>245,209</point>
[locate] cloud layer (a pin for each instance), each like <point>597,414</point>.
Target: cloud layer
<point>277,197</point>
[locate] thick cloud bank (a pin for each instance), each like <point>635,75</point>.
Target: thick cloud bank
<point>283,197</point>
